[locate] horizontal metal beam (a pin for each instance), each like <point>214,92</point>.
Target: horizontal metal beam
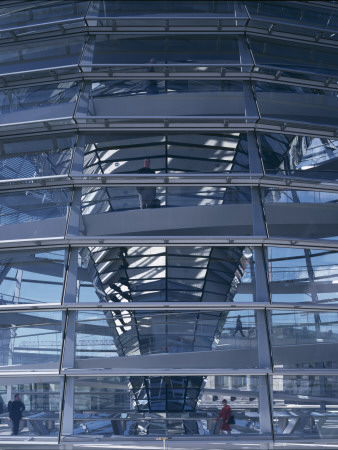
<point>169,307</point>
<point>167,180</point>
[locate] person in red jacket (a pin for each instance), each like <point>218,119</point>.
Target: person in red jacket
<point>225,414</point>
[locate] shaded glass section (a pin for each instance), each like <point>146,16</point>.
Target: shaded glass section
<point>32,276</point>
<point>103,334</point>
<point>300,18</point>
<point>305,406</point>
<point>30,158</point>
<point>301,214</point>
<point>149,209</point>
<point>134,8</point>
<point>27,206</point>
<point>41,399</point>
<point>167,406</point>
<point>303,275</point>
<point>173,274</point>
<point>304,338</point>
<point>61,55</point>
<point>38,103</point>
<point>150,53</point>
<point>36,16</point>
<point>293,59</point>
<point>30,338</point>
<point>182,153</point>
<point>300,156</point>
<point>164,98</point>
<point>297,104</point>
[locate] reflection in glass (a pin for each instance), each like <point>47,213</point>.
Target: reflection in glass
<point>309,61</point>
<point>305,406</point>
<point>38,16</point>
<point>149,54</point>
<point>297,213</point>
<point>164,406</point>
<point>173,274</point>
<point>126,98</point>
<point>28,206</point>
<point>301,156</point>
<point>44,102</point>
<point>299,18</point>
<point>127,333</point>
<point>40,55</point>
<point>32,276</point>
<point>183,153</point>
<point>297,104</point>
<point>134,8</point>
<point>30,338</point>
<point>304,338</point>
<point>41,399</point>
<point>302,275</point>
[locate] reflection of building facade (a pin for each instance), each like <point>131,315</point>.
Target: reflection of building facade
<point>117,324</point>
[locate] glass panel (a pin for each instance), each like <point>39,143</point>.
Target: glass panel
<point>229,210</point>
<point>27,206</point>
<point>135,8</point>
<point>305,406</point>
<point>139,98</point>
<point>304,338</point>
<point>32,276</point>
<point>303,275</point>
<point>293,58</point>
<point>36,16</point>
<point>300,18</point>
<point>301,214</point>
<point>183,153</point>
<point>173,274</point>
<point>165,406</point>
<point>40,399</point>
<point>297,104</point>
<point>150,54</point>
<point>40,55</point>
<point>21,159</point>
<point>101,334</point>
<point>30,338</point>
<point>300,156</point>
<point>38,103</point>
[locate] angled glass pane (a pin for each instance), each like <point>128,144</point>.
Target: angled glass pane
<point>300,18</point>
<point>304,338</point>
<point>303,275</point>
<point>164,406</point>
<point>294,59</point>
<point>34,59</point>
<point>41,399</point>
<point>158,98</point>
<point>156,210</point>
<point>32,276</point>
<point>296,213</point>
<point>20,208</point>
<point>182,153</point>
<point>188,54</point>
<point>28,104</point>
<point>305,406</point>
<point>107,334</point>
<point>37,157</point>
<point>297,104</point>
<point>165,7</point>
<point>301,156</point>
<point>30,339</point>
<point>35,16</point>
<point>167,274</point>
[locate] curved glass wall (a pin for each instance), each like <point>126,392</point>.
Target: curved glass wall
<point>168,236</point>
